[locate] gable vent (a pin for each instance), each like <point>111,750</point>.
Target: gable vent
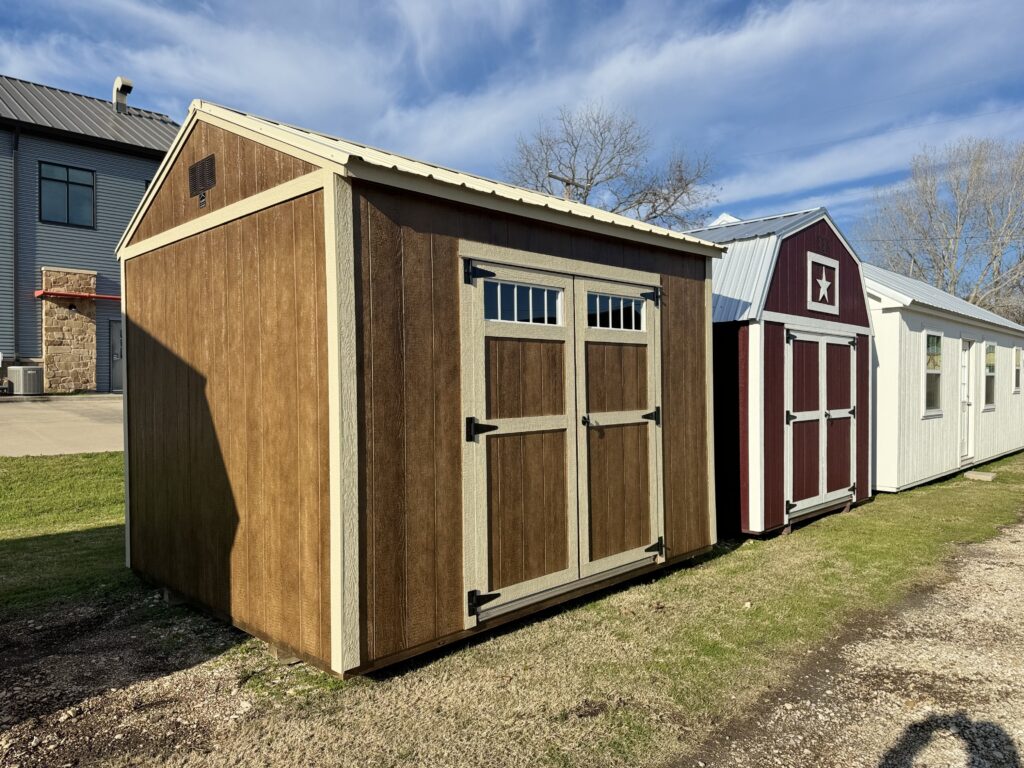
<point>202,175</point>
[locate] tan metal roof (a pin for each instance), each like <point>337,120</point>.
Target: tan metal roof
<point>354,155</point>
<point>41,105</point>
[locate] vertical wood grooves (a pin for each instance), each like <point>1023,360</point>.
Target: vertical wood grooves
<point>262,169</point>
<point>227,486</point>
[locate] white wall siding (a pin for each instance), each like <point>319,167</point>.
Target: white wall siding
<point>886,406</point>
<point>929,445</point>
<point>7,244</point>
<point>1000,429</point>
<point>120,183</point>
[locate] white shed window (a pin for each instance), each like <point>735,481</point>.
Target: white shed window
<point>1016,370</point>
<point>990,375</point>
<point>520,303</point>
<point>617,313</point>
<point>933,373</point>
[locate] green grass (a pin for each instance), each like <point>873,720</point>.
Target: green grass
<point>657,662</point>
<point>61,528</point>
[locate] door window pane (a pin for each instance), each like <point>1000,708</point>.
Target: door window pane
<point>490,300</point>
<point>518,303</point>
<point>617,313</point>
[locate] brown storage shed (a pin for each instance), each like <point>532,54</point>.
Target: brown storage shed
<point>374,405</point>
<point>793,357</point>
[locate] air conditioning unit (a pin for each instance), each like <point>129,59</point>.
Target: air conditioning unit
<point>27,379</point>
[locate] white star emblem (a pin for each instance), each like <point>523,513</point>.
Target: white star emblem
<point>823,285</point>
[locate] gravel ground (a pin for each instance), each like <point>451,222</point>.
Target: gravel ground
<point>940,682</point>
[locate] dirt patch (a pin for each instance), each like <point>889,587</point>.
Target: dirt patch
<point>108,677</point>
<point>938,682</point>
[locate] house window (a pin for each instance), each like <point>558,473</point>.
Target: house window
<point>521,303</point>
<point>933,373</point>
<point>1017,354</point>
<point>67,195</point>
<point>617,313</point>
<point>990,375</point>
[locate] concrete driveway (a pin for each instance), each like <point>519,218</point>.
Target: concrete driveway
<point>71,424</point>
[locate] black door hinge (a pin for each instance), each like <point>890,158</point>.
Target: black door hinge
<point>790,418</point>
<point>853,342</point>
<point>853,488</point>
<point>654,296</point>
<point>790,336</point>
<point>657,547</point>
<point>474,428</point>
<point>790,506</point>
<point>654,415</point>
<point>475,599</point>
<point>471,272</point>
<point>853,412</point>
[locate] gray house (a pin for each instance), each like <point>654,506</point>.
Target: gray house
<point>72,171</point>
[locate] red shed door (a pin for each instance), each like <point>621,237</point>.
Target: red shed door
<point>820,421</point>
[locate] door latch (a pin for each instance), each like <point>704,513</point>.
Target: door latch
<point>474,428</point>
<point>475,599</point>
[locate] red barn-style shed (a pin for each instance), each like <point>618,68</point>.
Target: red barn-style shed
<point>792,365</point>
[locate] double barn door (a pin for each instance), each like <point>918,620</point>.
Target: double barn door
<point>821,420</point>
<point>562,435</point>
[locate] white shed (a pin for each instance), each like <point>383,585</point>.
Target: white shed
<point>947,382</point>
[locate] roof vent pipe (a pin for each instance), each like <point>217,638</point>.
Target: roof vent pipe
<point>122,87</point>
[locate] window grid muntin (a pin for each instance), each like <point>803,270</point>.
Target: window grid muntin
<point>507,301</point>
<point>610,312</point>
<point>57,177</point>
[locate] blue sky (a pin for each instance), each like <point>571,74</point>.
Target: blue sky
<point>798,103</point>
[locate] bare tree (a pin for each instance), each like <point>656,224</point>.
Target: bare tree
<point>599,156</point>
<point>957,223</point>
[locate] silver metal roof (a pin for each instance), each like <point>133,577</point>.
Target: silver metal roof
<point>907,291</point>
<point>739,281</point>
<point>349,153</point>
<point>55,109</point>
<point>779,225</point>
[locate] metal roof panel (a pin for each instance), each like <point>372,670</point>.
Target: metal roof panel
<point>909,291</point>
<point>56,109</point>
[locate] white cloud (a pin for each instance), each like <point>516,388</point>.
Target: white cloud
<point>454,81</point>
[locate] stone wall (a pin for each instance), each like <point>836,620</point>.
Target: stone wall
<point>69,332</point>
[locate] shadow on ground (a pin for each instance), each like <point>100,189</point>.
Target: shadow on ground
<point>56,653</point>
<point>987,744</point>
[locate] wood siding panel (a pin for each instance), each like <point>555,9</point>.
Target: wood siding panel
<point>524,377</point>
<point>837,474</point>
<point>618,487</point>
<point>806,459</point>
<point>244,168</point>
<point>864,488</point>
<point>616,377</point>
<point>837,373</point>
<point>774,415</point>
<point>787,292</point>
<point>684,406</point>
<point>528,523</point>
<point>805,376</point>
<point>227,490</point>
<point>684,315</point>
<point>410,473</point>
